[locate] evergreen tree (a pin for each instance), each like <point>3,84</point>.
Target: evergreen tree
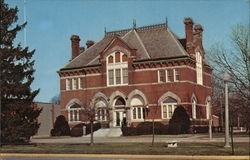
<point>180,122</point>
<point>18,113</point>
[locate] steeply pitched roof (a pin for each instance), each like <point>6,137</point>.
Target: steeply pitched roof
<point>150,42</point>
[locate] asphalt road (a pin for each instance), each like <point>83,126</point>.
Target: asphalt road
<point>122,157</point>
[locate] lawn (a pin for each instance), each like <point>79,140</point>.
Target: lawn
<point>211,148</point>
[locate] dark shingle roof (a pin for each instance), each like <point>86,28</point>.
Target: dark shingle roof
<point>150,42</point>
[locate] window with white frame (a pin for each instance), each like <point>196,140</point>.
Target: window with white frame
<point>194,104</point>
<point>67,84</point>
<point>74,113</point>
<point>168,106</point>
<point>138,111</point>
<point>80,83</point>
<point>199,76</point>
<point>168,75</point>
<point>102,111</point>
<point>73,83</point>
<point>176,74</point>
<point>117,69</point>
<point>161,76</point>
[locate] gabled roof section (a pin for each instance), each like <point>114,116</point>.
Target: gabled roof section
<point>134,41</point>
<point>150,42</point>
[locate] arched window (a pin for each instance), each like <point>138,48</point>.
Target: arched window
<point>194,103</point>
<point>74,113</point>
<point>110,59</point>
<point>117,72</point>
<point>138,111</point>
<point>199,76</point>
<point>168,106</point>
<point>102,111</point>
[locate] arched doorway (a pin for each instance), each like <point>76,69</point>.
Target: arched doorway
<point>119,113</point>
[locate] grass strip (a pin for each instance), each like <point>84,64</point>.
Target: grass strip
<point>209,148</point>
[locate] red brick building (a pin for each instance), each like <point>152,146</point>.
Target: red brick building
<point>140,73</point>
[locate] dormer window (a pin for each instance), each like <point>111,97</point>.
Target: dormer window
<point>117,69</point>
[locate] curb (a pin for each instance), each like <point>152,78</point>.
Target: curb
<point>126,156</point>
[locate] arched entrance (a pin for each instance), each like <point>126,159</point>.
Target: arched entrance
<point>119,113</point>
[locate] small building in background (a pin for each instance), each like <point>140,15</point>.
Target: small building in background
<point>47,117</point>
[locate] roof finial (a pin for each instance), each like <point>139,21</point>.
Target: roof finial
<point>166,21</point>
<point>105,31</point>
<point>134,23</point>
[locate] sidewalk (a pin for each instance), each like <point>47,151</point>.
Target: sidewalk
<point>125,156</point>
<point>133,139</point>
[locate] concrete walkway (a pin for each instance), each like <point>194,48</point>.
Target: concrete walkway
<point>132,139</point>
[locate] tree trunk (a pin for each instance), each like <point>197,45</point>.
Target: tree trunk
<point>91,134</point>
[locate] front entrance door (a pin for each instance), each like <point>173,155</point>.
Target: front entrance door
<point>118,118</point>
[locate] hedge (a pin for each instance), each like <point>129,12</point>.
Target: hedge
<point>61,127</point>
<point>77,130</point>
<point>144,128</point>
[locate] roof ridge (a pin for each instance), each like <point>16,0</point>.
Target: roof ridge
<point>177,42</point>
<point>140,41</point>
<point>139,29</point>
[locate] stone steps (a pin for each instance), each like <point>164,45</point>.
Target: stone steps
<point>107,132</point>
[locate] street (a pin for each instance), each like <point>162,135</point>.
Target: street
<point>113,157</point>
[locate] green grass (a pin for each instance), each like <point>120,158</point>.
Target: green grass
<point>211,148</point>
<point>222,135</point>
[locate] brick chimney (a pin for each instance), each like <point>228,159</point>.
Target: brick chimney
<point>198,35</point>
<point>189,35</point>
<point>75,45</point>
<point>89,43</point>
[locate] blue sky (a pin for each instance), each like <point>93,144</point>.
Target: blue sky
<point>52,22</point>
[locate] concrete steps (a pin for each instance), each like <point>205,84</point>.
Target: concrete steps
<point>107,132</point>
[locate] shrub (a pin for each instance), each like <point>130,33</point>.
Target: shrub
<point>77,130</point>
<point>180,122</point>
<point>61,127</point>
<point>144,128</point>
<point>147,128</point>
<point>129,131</point>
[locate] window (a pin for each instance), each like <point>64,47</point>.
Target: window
<point>118,76</point>
<point>74,84</point>
<point>102,114</point>
<point>134,113</point>
<point>199,76</point>
<point>110,59</point>
<point>194,109</point>
<point>80,83</point>
<point>137,103</point>
<point>125,75</point>
<point>168,107</point>
<point>117,69</point>
<point>161,76</point>
<point>169,75</point>
<point>67,84</point>
<point>138,113</point>
<point>117,57</point>
<point>74,113</point>
<point>102,111</point>
<point>111,77</point>
<point>176,75</point>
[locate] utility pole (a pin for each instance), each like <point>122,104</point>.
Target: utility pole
<point>226,79</point>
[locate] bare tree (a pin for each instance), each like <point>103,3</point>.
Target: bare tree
<point>236,61</point>
<point>90,113</point>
